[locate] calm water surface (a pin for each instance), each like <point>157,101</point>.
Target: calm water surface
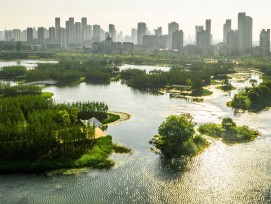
<point>239,173</point>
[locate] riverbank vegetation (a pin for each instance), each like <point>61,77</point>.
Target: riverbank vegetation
<point>36,134</point>
<point>97,68</point>
<point>256,98</point>
<point>228,131</point>
<point>177,137</point>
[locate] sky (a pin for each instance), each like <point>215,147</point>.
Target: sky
<point>125,14</point>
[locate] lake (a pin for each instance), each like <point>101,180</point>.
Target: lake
<point>239,173</point>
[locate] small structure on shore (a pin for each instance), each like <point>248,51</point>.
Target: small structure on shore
<point>97,124</point>
<point>93,121</point>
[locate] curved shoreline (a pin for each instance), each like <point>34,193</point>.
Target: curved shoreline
<point>123,117</point>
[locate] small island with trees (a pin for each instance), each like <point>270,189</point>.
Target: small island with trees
<point>256,98</point>
<point>177,137</point>
<point>38,135</point>
<point>228,131</point>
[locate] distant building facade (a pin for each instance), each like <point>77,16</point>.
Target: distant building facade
<point>265,42</point>
<point>141,31</point>
<point>244,32</point>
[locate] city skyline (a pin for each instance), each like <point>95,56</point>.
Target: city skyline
<point>125,15</point>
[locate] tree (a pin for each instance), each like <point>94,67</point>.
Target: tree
<point>227,123</point>
<point>174,132</point>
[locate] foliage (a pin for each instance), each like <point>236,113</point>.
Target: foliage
<point>12,71</point>
<point>121,149</point>
<point>7,90</point>
<point>211,129</point>
<point>228,131</point>
<point>257,97</point>
<point>176,136</point>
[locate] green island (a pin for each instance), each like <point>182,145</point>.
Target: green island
<point>226,86</point>
<point>177,137</point>
<point>228,131</point>
<point>256,98</point>
<point>38,135</point>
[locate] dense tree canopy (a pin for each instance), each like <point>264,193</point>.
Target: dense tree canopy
<point>176,136</point>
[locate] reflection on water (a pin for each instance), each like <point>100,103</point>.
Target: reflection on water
<point>239,173</point>
<point>29,64</point>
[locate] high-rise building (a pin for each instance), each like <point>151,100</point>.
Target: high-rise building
<point>63,33</point>
<point>198,29</point>
<point>29,35</point>
<point>141,31</point>
<point>41,35</point>
<point>16,35</point>
<point>232,41</point>
<point>208,30</point>
<point>96,33</point>
<point>77,33</point>
<point>71,30</point>
<point>177,40</point>
<point>265,42</point>
<point>226,29</point>
<point>134,35</point>
<point>24,35</point>
<point>158,31</point>
<point>57,30</point>
<point>67,31</point>
<point>2,35</point>
<point>52,35</point>
<point>89,32</point>
<point>244,32</point>
<point>8,35</point>
<point>112,32</point>
<point>172,27</point>
<point>84,29</point>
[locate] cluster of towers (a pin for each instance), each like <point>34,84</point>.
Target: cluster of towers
<point>234,41</point>
<point>240,40</point>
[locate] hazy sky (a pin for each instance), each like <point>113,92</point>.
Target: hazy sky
<point>125,14</point>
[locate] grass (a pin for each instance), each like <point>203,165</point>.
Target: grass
<point>226,88</point>
<point>121,149</point>
<point>201,92</point>
<point>97,157</point>
<point>111,118</point>
<point>47,94</point>
<point>233,134</point>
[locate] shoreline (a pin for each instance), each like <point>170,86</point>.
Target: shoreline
<point>123,117</point>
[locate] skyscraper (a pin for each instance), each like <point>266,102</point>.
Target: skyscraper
<point>89,32</point>
<point>198,29</point>
<point>112,32</point>
<point>244,32</point>
<point>265,42</point>
<point>52,35</point>
<point>172,27</point>
<point>71,30</point>
<point>226,30</point>
<point>141,31</point>
<point>29,35</point>
<point>232,41</point>
<point>77,33</point>
<point>177,40</point>
<point>96,33</point>
<point>134,35</point>
<point>41,35</point>
<point>208,30</point>
<point>57,30</point>
<point>84,29</point>
<point>158,31</point>
<point>67,24</point>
